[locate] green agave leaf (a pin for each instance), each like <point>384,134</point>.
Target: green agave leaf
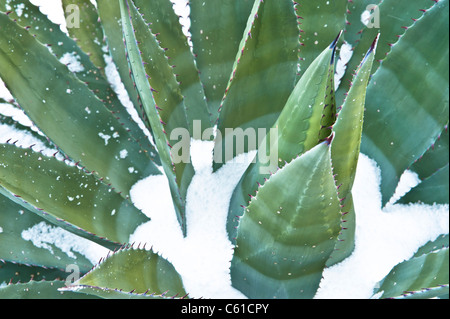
<point>30,70</point>
<point>106,293</point>
<point>264,75</point>
<point>345,151</point>
<point>68,193</point>
<point>432,190</point>
<point>354,27</point>
<point>132,270</point>
<point>425,276</point>
<point>319,21</point>
<point>435,158</point>
<point>66,50</point>
<point>440,292</point>
<point>162,102</point>
<point>398,102</point>
<point>87,31</point>
<point>13,273</point>
<point>39,290</point>
<point>301,126</point>
<point>394,18</point>
<point>217,28</point>
<point>109,13</point>
<point>164,23</point>
<point>440,242</point>
<point>9,121</point>
<point>288,230</point>
<point>16,223</point>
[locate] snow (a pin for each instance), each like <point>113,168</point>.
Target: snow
<point>72,60</point>
<point>203,257</point>
<point>45,236</point>
<point>384,236</point>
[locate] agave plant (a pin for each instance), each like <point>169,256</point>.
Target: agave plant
<point>249,65</point>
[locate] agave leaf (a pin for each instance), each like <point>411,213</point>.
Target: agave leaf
<point>300,126</point>
<point>390,133</point>
<point>319,21</point>
<point>164,23</point>
<point>425,276</point>
<point>133,270</point>
<point>66,49</point>
<point>13,273</point>
<point>13,125</point>
<point>345,150</point>
<point>106,293</point>
<point>217,28</point>
<point>432,190</point>
<point>39,290</point>
<point>109,13</point>
<point>162,102</point>
<point>289,230</point>
<point>394,18</point>
<point>87,31</point>
<point>440,242</point>
<point>29,70</point>
<point>263,77</point>
<point>354,26</point>
<point>15,223</point>
<point>68,193</point>
<point>435,158</point>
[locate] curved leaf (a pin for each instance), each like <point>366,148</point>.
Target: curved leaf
<point>67,51</point>
<point>133,270</point>
<point>391,19</point>
<point>13,273</point>
<point>217,28</point>
<point>264,75</point>
<point>38,290</point>
<point>69,112</point>
<point>435,158</point>
<point>164,23</point>
<point>87,31</point>
<point>162,102</point>
<point>345,151</point>
<point>289,230</point>
<point>68,193</point>
<point>432,190</point>
<point>16,221</point>
<point>299,128</point>
<point>400,100</point>
<point>426,276</point>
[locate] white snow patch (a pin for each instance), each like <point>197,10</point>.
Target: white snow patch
<point>72,61</point>
<point>114,79</point>
<point>384,237</point>
<point>46,236</point>
<point>123,154</point>
<point>203,257</point>
<point>345,55</point>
